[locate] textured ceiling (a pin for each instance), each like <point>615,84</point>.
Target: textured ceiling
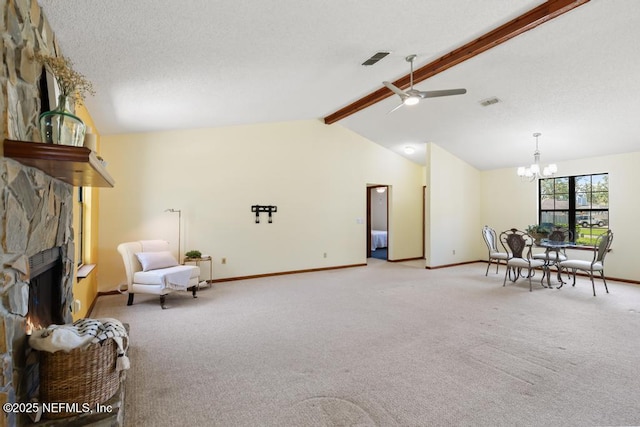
<point>160,65</point>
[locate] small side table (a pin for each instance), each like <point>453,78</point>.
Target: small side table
<point>197,261</point>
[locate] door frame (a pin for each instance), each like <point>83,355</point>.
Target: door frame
<point>369,188</point>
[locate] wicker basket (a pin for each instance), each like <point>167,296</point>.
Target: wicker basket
<point>81,376</point>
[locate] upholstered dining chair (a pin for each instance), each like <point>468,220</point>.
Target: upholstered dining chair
<point>518,244</point>
<point>600,250</point>
<point>491,239</point>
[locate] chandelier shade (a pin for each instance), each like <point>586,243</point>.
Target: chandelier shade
<point>534,171</point>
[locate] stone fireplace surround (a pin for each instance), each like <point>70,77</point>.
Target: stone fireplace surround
<point>35,215</point>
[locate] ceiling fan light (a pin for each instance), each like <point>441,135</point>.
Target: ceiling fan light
<point>411,100</point>
<point>409,149</point>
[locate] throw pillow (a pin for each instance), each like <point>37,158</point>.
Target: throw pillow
<point>156,260</point>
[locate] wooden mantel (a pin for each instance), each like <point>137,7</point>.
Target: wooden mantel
<point>78,166</point>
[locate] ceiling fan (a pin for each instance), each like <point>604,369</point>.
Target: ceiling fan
<point>413,96</point>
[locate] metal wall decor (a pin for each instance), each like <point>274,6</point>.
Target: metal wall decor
<point>270,209</point>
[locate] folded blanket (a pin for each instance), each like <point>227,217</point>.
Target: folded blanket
<point>178,279</point>
<point>81,334</point>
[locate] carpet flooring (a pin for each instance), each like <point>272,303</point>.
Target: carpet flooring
<point>389,344</point>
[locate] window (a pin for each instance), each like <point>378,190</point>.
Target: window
<point>579,203</point>
<point>80,227</point>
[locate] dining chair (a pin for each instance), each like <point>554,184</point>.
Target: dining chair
<point>491,239</point>
<point>518,244</point>
<point>600,250</point>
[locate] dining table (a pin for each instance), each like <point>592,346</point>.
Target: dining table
<point>556,247</point>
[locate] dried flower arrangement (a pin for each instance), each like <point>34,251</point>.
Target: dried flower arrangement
<point>70,82</point>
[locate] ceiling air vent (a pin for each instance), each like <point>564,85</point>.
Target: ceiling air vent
<point>489,101</point>
<point>375,58</point>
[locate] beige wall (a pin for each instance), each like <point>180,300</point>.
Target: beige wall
<point>453,211</point>
<point>315,174</point>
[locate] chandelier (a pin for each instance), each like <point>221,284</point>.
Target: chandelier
<point>534,172</point>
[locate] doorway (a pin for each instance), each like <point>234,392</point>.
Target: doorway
<point>378,221</point>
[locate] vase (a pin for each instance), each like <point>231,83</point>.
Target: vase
<point>538,236</point>
<point>60,126</point>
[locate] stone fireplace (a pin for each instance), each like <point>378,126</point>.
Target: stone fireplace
<point>36,209</point>
<point>37,261</point>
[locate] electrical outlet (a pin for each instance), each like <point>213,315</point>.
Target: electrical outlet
<point>324,255</point>
<point>224,260</point>
<point>454,251</point>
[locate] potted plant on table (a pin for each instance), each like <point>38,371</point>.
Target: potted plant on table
<point>537,231</point>
<point>195,254</point>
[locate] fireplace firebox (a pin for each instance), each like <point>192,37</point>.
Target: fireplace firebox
<point>45,289</point>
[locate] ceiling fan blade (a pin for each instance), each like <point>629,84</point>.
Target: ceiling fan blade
<point>446,92</point>
<point>395,89</point>
<point>395,108</point>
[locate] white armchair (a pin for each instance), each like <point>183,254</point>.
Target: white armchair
<point>151,269</point>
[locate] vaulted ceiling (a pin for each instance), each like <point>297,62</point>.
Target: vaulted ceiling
<point>161,64</point>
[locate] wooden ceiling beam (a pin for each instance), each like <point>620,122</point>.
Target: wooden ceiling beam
<point>531,19</point>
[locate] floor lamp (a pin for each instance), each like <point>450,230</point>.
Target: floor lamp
<point>179,227</point>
